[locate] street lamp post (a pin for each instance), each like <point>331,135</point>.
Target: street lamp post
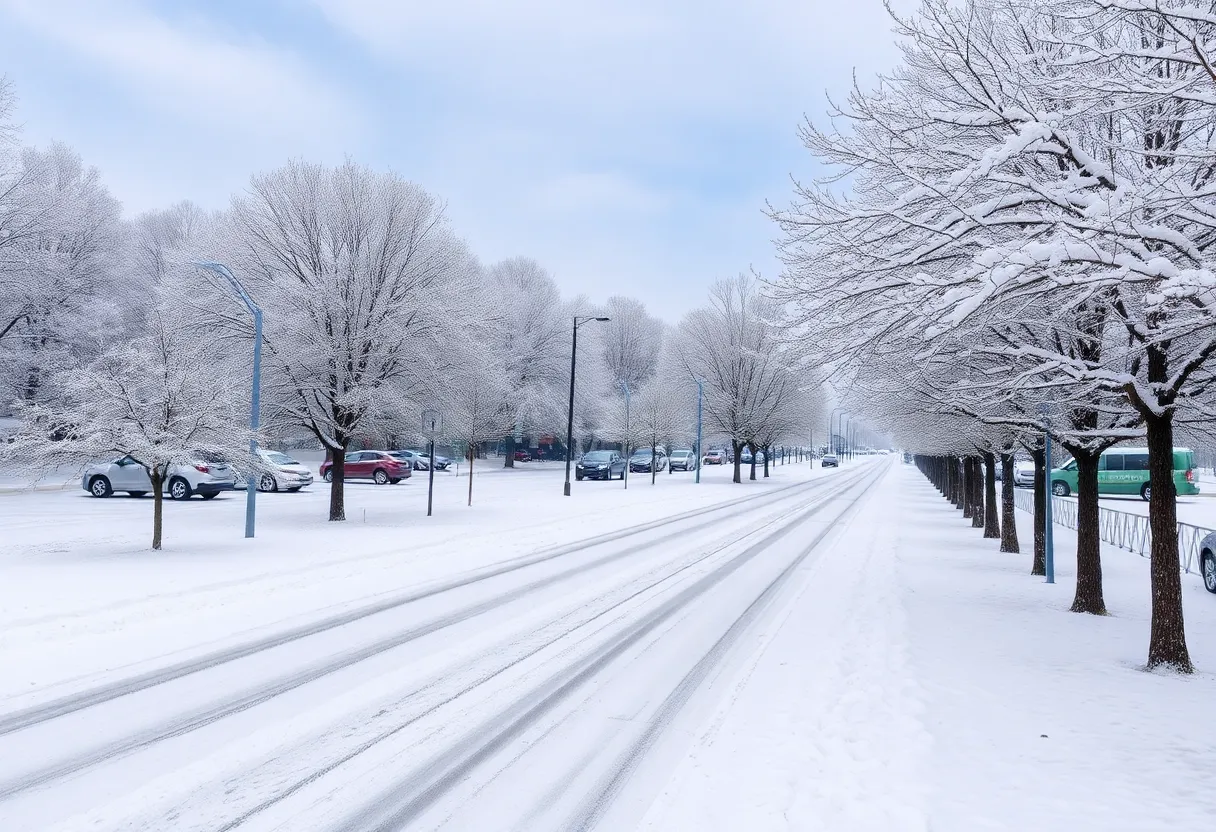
<point>1049,560</point>
<point>255,407</point>
<point>625,385</point>
<point>700,453</point>
<point>579,320</point>
<point>846,420</point>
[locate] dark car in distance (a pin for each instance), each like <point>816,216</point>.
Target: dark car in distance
<point>829,461</point>
<point>600,465</point>
<point>641,461</point>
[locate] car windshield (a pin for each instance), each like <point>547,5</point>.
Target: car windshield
<point>681,453</point>
<point>641,454</point>
<point>280,459</point>
<point>597,456</point>
<point>207,456</point>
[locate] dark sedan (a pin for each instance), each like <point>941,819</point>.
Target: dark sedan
<point>600,465</point>
<point>640,462</point>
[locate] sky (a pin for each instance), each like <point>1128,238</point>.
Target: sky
<point>629,146</point>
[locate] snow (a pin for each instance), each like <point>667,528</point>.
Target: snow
<point>832,650</point>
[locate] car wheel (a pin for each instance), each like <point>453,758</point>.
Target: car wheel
<point>328,476</point>
<point>179,489</point>
<point>578,477</point>
<point>380,476</point>
<point>268,483</point>
<point>100,487</point>
<point>208,496</point>
<point>1146,491</point>
<point>1060,488</point>
<point>1209,571</point>
<point>138,493</point>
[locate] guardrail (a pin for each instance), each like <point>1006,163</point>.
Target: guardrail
<point>1121,528</point>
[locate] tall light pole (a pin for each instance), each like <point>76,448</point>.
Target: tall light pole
<point>579,320</point>
<point>625,385</point>
<point>1049,559</point>
<point>846,419</point>
<point>700,395</point>
<point>251,487</point>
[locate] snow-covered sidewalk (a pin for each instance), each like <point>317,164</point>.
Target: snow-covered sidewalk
<point>921,680</point>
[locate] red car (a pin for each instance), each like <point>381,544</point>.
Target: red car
<point>378,466</point>
<point>523,456</point>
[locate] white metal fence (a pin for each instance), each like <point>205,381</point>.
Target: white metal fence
<point>1122,528</point>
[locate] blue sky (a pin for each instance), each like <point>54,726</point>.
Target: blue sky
<point>627,145</point>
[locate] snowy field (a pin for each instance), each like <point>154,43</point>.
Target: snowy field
<point>820,651</point>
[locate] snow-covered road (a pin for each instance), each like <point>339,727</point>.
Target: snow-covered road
<point>537,689</point>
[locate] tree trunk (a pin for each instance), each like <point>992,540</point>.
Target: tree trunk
<point>968,488</point>
<point>956,482</point>
<point>738,462</point>
<point>654,462</point>
<point>767,452</point>
<point>752,475</point>
<point>508,460</point>
<point>337,488</point>
<point>1009,526</point>
<point>1089,544</point>
<point>977,493</point>
<point>992,525</point>
<point>1167,641</point>
<point>158,503</point>
<point>1039,566</point>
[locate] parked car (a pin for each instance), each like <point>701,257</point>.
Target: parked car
<point>714,458</point>
<point>522,456</point>
<point>441,463</point>
<point>206,475</point>
<point>1023,474</point>
<point>829,461</point>
<point>746,457</point>
<point>379,466</point>
<point>1207,561</point>
<point>640,462</point>
<point>600,465</point>
<point>682,460</point>
<point>416,460</point>
<point>1125,471</point>
<point>285,473</point>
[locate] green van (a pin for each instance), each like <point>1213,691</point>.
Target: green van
<point>1125,471</point>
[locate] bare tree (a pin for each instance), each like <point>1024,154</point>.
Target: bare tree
<point>362,281</point>
<point>162,399</point>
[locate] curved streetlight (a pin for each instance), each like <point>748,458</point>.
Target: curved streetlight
<point>579,320</point>
<point>846,424</point>
<point>251,487</point>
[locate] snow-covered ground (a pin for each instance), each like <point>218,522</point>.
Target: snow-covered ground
<point>823,650</point>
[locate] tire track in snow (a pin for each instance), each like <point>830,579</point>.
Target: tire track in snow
<point>403,803</point>
<point>200,718</point>
<point>598,803</point>
<point>36,714</point>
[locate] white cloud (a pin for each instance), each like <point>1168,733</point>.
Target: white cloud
<point>191,69</point>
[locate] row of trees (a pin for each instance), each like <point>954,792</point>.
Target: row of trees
<point>114,341</point>
<point>1025,245</point>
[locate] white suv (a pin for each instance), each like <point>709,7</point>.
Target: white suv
<point>205,476</point>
